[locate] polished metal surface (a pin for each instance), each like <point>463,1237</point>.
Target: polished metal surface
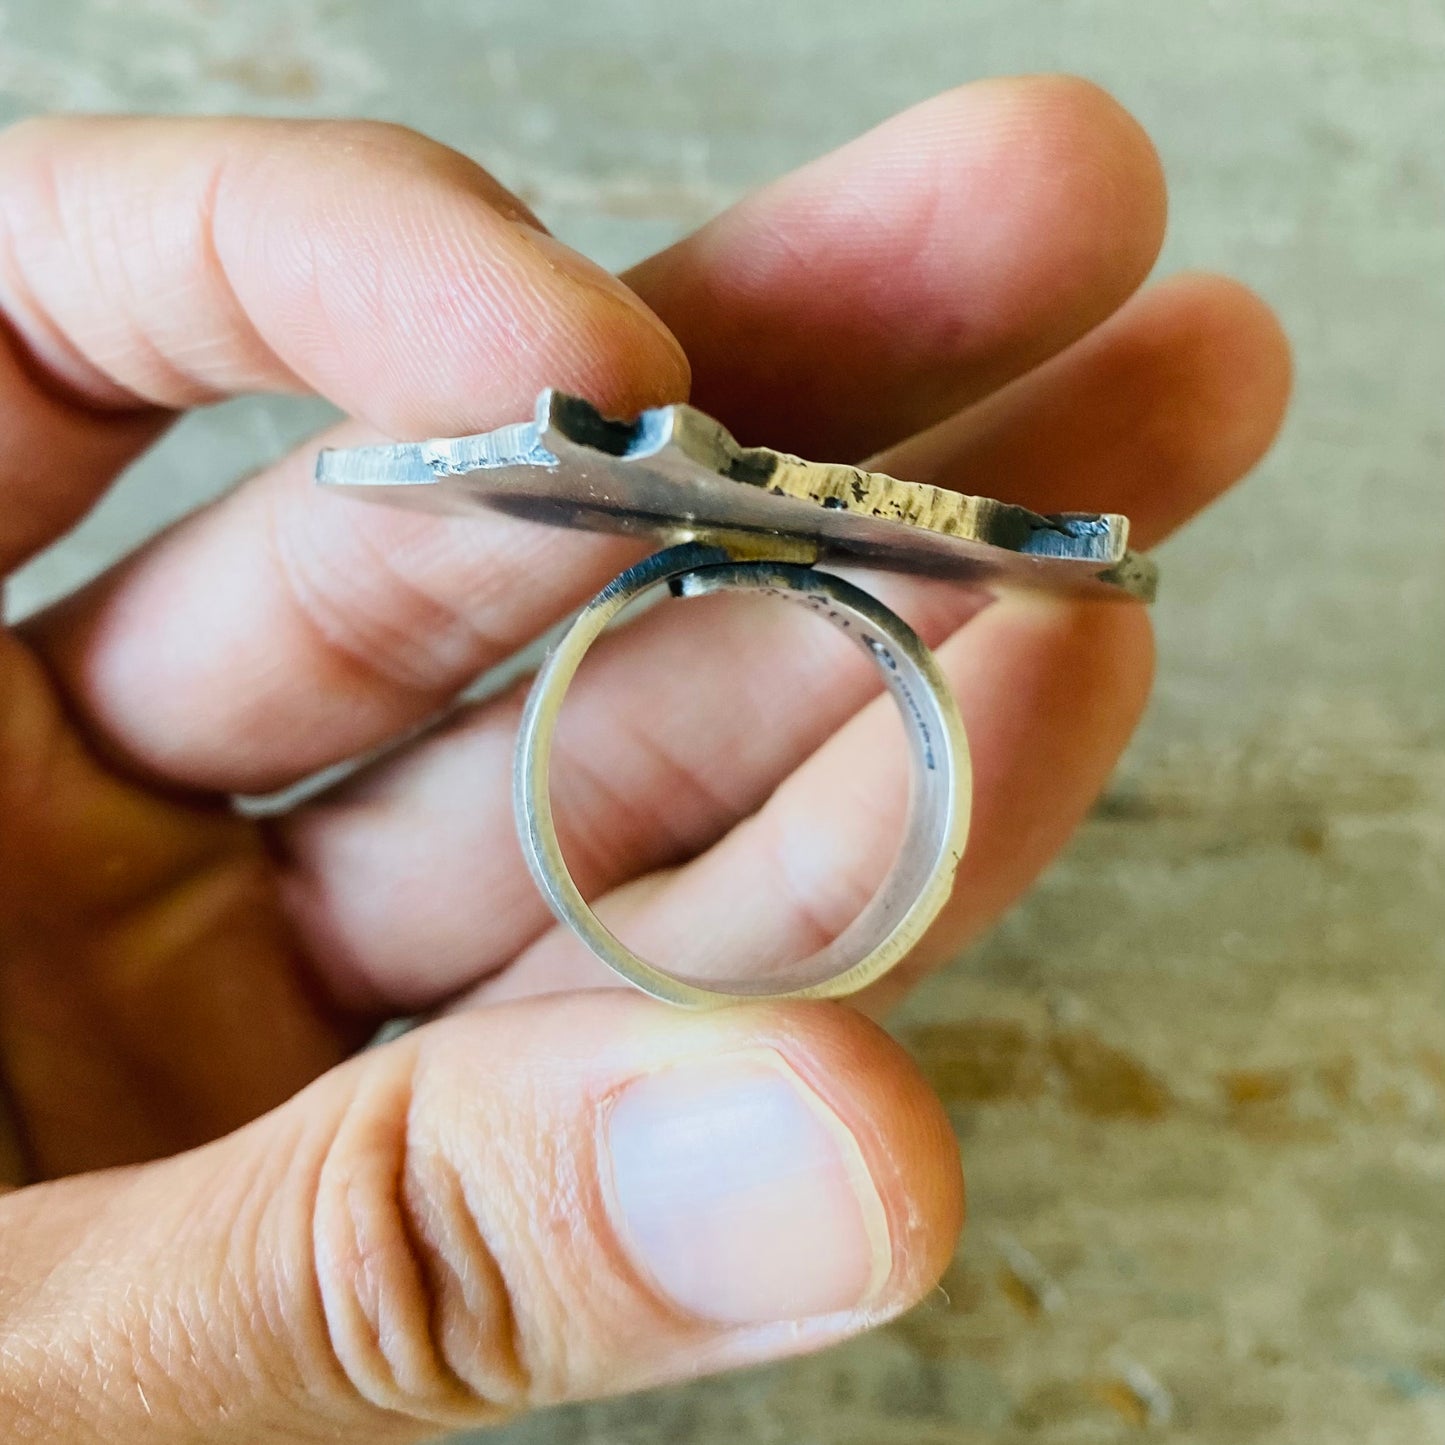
<point>676,474</point>
<point>915,887</point>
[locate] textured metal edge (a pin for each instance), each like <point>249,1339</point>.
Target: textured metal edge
<point>565,425</point>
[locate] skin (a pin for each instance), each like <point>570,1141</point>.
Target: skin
<point>243,1229</point>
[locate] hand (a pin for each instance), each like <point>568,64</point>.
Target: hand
<point>576,1190</point>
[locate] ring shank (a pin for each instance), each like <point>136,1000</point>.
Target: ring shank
<point>915,887</point>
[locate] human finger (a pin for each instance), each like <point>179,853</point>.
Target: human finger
<point>541,1203</point>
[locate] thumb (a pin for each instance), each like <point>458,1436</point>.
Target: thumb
<point>547,1201</point>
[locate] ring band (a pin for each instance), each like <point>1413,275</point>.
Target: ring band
<point>918,883</point>
<point>675,471</point>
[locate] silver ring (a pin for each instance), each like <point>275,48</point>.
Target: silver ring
<point>920,880</point>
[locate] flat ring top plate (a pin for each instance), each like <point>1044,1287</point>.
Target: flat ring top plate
<point>676,474</point>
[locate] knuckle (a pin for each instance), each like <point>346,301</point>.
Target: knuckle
<point>417,1311</point>
<point>373,609</point>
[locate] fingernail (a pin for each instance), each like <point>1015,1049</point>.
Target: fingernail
<point>742,1196</point>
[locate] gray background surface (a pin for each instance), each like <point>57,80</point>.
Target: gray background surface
<point>1207,1147</point>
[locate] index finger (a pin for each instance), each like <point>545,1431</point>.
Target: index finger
<point>148,265</point>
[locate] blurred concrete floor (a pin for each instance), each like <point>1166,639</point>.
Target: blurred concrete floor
<point>1211,1139</point>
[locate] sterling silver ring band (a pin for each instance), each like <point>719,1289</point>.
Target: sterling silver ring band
<point>918,883</point>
